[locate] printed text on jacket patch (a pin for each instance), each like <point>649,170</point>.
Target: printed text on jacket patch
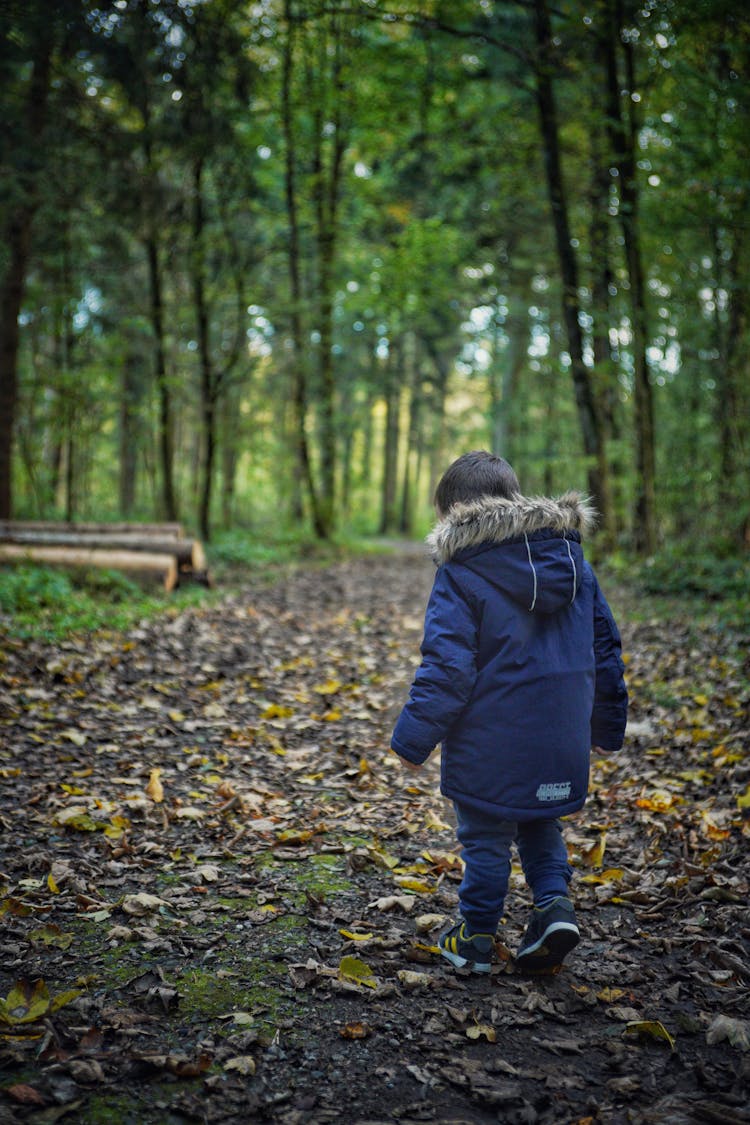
<point>553,791</point>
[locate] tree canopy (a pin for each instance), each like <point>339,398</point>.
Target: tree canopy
<point>282,261</point>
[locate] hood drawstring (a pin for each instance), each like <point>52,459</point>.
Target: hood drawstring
<point>533,569</point>
<point>575,572</point>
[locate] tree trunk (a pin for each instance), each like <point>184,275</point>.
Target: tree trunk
<point>593,444</point>
<point>390,442</point>
<point>166,424</point>
<point>300,391</point>
<point>623,135</point>
<point>208,380</point>
<point>18,242</point>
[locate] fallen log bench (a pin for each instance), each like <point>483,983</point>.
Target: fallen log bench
<point>147,553</point>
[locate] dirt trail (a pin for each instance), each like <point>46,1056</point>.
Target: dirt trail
<point>220,893</point>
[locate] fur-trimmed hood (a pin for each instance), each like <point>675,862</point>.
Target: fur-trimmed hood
<point>493,519</point>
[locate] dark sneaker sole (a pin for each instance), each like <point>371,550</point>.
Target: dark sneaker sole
<point>460,962</point>
<point>551,949</point>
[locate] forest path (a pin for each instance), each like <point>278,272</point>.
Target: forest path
<point>220,891</point>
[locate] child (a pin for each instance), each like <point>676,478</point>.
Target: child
<point>520,676</point>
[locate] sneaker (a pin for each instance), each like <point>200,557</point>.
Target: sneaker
<point>550,936</point>
<point>462,950</point>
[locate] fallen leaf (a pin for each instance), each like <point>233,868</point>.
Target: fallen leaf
<point>355,1031</point>
<point>155,789</point>
<point>479,1030</point>
<point>352,969</point>
<point>142,903</point>
<point>736,1032</point>
<point>241,1064</point>
<point>411,980</point>
<point>653,1028</point>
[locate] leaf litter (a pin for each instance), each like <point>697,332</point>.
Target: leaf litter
<point>220,894</point>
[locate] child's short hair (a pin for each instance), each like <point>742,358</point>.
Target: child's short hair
<point>475,474</point>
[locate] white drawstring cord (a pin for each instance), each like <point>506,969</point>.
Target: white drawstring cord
<point>533,570</point>
<point>575,572</point>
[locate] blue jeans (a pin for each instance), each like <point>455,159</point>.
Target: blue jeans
<point>487,843</point>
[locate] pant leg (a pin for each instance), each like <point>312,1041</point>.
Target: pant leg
<point>487,843</point>
<point>544,857</point>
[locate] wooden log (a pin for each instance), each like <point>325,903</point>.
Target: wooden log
<point>188,552</point>
<point>163,530</point>
<point>140,565</point>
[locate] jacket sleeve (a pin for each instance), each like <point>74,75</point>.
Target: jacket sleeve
<point>445,678</point>
<point>610,711</point>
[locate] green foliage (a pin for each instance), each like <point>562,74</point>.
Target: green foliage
<point>25,589</point>
<point>680,572</point>
<point>39,602</point>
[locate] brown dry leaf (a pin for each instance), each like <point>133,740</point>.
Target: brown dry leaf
<point>411,980</point>
<point>142,904</point>
<point>355,1031</point>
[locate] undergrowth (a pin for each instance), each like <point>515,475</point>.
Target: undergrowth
<point>38,602</point>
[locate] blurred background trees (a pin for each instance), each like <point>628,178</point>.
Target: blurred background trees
<point>274,264</point>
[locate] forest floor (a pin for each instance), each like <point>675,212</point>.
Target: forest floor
<point>220,893</point>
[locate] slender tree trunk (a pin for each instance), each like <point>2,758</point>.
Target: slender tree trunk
<point>18,242</point>
<point>623,133</point>
<point>504,380</point>
<point>605,387</point>
<point>208,380</point>
<point>130,393</point>
<point>390,444</point>
<point>406,520</point>
<point>300,392</point>
<point>165,423</point>
<point>593,444</point>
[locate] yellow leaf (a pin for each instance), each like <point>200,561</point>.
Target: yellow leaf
<point>658,801</point>
<point>51,935</point>
<point>701,700</point>
<point>611,875</point>
<point>481,1029</point>
<point>610,995</point>
<point>743,802</point>
<point>332,716</point>
<point>52,886</point>
<point>75,736</point>
<point>416,885</point>
<point>25,1003</point>
<point>330,687</point>
<point>72,790</point>
<point>155,789</point>
<point>352,969</point>
<point>117,827</point>
<point>277,711</point>
<point>594,855</point>
<point>355,937</point>
<point>176,716</point>
<point>653,1028</point>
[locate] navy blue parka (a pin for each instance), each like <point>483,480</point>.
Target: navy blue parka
<point>521,669</point>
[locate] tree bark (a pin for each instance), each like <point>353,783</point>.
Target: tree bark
<point>139,565</point>
<point>299,372</point>
<point>623,133</point>
<point>390,443</point>
<point>593,444</point>
<point>18,242</point>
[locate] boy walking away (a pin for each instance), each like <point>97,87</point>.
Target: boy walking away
<point>520,677</point>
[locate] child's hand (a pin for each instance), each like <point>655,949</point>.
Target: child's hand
<point>405,761</point>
